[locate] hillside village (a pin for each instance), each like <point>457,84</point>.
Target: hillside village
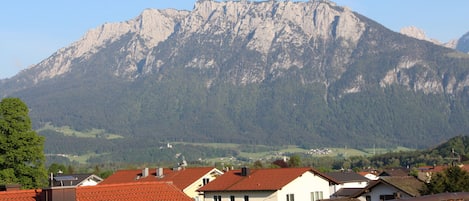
<point>244,184</point>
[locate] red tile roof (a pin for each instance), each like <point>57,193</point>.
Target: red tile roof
<point>19,195</point>
<point>180,178</point>
<point>258,179</point>
<point>137,191</point>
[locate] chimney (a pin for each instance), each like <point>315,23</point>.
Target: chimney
<point>10,187</point>
<point>159,172</point>
<point>245,171</point>
<point>58,193</point>
<point>145,172</point>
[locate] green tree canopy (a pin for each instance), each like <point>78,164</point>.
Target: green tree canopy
<point>295,161</point>
<point>21,149</point>
<point>452,179</point>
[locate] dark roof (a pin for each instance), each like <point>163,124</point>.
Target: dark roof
<point>395,172</point>
<point>74,179</point>
<point>408,184</point>
<point>346,192</point>
<point>345,177</point>
<point>441,197</point>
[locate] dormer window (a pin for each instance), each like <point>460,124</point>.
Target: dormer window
<point>205,181</point>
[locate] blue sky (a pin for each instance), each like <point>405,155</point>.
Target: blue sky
<point>31,31</point>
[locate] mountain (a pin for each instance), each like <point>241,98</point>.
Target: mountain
<point>272,72</point>
<point>463,43</point>
<point>417,33</point>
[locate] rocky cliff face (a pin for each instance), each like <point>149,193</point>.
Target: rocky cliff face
<point>284,35</point>
<point>147,30</point>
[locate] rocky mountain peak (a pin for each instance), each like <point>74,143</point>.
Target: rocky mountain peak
<point>263,23</point>
<point>418,33</point>
<point>153,26</point>
<point>414,32</point>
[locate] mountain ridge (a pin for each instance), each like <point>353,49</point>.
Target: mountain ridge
<point>307,73</point>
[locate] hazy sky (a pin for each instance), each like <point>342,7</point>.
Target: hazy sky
<point>31,31</point>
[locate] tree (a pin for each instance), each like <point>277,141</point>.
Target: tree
<point>452,179</point>
<point>21,148</point>
<point>295,161</point>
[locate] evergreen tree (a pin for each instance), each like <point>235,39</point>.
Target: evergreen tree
<point>452,179</point>
<point>21,149</point>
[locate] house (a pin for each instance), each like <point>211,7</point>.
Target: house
<point>269,185</point>
<point>187,180</point>
<point>371,175</point>
<point>349,183</point>
<point>75,180</point>
<point>388,188</point>
<point>137,191</point>
<point>425,173</point>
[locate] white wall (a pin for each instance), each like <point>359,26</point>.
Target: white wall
<point>301,187</point>
<point>191,190</point>
<point>304,185</point>
<point>383,189</point>
<point>239,196</point>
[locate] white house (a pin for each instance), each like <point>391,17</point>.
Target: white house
<point>74,180</point>
<point>349,183</point>
<point>188,180</point>
<point>279,184</point>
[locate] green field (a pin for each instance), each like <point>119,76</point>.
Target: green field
<point>263,152</point>
<point>93,133</point>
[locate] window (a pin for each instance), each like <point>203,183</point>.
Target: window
<point>232,198</point>
<point>246,198</point>
<point>290,197</point>
<point>318,195</point>
<point>205,181</point>
<point>386,197</point>
<point>217,198</point>
<point>368,198</point>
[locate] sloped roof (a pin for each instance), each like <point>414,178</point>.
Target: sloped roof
<point>395,172</point>
<point>137,191</point>
<point>259,179</point>
<point>180,178</point>
<point>19,195</point>
<point>344,177</point>
<point>407,184</point>
<point>78,179</point>
<point>347,192</point>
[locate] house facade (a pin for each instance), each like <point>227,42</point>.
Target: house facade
<point>74,180</point>
<point>390,188</point>
<point>282,184</point>
<point>349,183</point>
